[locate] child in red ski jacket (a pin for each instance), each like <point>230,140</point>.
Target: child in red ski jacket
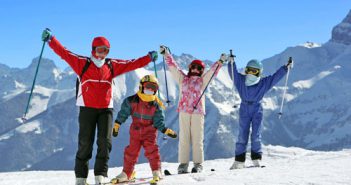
<point>146,111</point>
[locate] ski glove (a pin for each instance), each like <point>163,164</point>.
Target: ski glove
<point>290,63</point>
<point>169,132</point>
<point>46,35</point>
<point>153,55</point>
<point>115,129</point>
<point>223,58</point>
<point>164,50</point>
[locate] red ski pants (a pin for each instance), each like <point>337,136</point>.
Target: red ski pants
<point>146,137</point>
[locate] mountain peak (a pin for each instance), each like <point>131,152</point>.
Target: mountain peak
<point>342,32</point>
<point>44,63</point>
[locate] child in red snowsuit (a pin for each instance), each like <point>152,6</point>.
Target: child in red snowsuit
<point>146,111</point>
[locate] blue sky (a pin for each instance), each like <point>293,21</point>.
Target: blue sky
<point>205,29</point>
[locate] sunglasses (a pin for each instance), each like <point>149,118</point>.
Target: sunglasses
<point>199,68</point>
<point>150,85</point>
<point>252,71</point>
<point>102,49</point>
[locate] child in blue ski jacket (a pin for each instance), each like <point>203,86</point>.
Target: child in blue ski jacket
<point>252,87</point>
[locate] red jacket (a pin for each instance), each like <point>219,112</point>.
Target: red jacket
<point>95,89</point>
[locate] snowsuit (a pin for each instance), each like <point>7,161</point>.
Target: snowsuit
<point>250,111</point>
<point>191,122</point>
<point>148,117</point>
<point>96,105</point>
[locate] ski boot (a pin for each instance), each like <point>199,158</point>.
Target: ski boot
<point>237,165</point>
<point>197,168</point>
<point>156,176</point>
<point>81,181</point>
<point>256,163</point>
<point>123,177</point>
<point>183,168</point>
<point>99,179</point>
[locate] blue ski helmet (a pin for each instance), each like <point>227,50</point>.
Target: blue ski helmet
<point>255,64</point>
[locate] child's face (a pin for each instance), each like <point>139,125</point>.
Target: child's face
<point>150,86</point>
<point>196,69</point>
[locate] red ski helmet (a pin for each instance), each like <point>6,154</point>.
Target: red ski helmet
<point>98,42</point>
<point>198,62</point>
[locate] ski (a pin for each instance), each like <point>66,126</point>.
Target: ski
<point>168,173</point>
<point>131,182</point>
<point>153,182</point>
<point>263,166</point>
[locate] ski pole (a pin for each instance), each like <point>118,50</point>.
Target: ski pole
<point>164,69</point>
<point>198,101</point>
<point>285,89</point>
<point>158,92</point>
<point>35,78</point>
<point>232,63</point>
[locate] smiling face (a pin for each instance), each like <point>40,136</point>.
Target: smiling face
<point>196,69</point>
<point>100,48</point>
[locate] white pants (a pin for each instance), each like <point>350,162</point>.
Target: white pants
<point>191,131</point>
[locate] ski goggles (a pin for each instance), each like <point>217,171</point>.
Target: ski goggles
<point>102,49</point>
<point>150,85</point>
<point>194,66</point>
<point>252,71</point>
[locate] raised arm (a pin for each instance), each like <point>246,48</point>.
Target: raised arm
<point>237,76</point>
<point>124,66</point>
<point>176,72</point>
<point>75,61</point>
<point>213,70</point>
<point>272,80</point>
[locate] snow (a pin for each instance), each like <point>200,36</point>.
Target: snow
<point>13,94</point>
<point>33,126</point>
<point>283,166</point>
<point>57,73</point>
<point>311,45</point>
<point>7,135</point>
<point>307,84</point>
<point>40,100</point>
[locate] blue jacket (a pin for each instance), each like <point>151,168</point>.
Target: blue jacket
<point>255,92</point>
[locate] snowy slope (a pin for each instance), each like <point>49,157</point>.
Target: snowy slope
<point>317,114</point>
<point>284,166</point>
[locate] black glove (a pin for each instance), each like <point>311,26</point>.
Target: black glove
<point>169,132</point>
<point>290,63</point>
<point>115,129</point>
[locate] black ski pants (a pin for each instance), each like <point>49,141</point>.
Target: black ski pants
<point>89,120</point>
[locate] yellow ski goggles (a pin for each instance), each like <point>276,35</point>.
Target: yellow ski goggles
<point>252,71</point>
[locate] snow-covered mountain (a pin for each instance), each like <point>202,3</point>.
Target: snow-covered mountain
<point>317,114</point>
<point>284,166</point>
